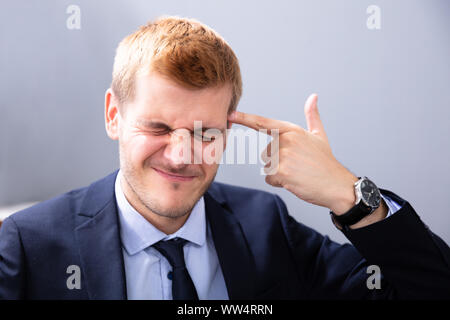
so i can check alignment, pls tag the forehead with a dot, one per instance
(158, 97)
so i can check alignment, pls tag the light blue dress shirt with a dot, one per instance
(146, 270)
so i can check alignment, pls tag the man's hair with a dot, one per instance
(186, 51)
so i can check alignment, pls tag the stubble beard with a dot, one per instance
(147, 200)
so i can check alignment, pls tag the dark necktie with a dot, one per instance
(182, 285)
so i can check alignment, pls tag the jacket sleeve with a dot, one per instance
(12, 275)
(412, 258)
(414, 262)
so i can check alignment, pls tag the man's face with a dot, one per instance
(150, 132)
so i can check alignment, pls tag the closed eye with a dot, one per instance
(204, 136)
(208, 138)
(159, 132)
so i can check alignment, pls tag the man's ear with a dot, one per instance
(111, 115)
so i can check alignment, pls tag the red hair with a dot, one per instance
(184, 50)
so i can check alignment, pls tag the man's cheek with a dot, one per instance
(143, 147)
(136, 157)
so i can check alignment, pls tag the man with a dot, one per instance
(160, 228)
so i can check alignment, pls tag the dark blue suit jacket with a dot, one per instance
(263, 252)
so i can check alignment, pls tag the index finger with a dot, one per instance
(258, 122)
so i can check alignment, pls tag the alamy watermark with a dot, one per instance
(74, 280)
(73, 22)
(374, 19)
(374, 280)
(230, 146)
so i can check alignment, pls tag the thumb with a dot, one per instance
(313, 121)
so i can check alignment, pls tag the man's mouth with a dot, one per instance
(174, 177)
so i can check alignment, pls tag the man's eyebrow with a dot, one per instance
(151, 124)
(207, 128)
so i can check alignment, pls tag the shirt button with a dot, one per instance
(170, 275)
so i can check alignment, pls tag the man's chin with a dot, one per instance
(172, 209)
(174, 192)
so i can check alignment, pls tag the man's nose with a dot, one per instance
(179, 148)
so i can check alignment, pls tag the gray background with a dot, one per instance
(383, 94)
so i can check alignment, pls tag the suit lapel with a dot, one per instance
(235, 257)
(99, 242)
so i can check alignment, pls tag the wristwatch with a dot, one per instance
(368, 199)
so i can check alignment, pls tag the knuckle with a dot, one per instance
(272, 180)
(281, 170)
(259, 123)
(291, 137)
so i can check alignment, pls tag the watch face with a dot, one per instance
(370, 194)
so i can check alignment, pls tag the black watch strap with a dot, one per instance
(355, 214)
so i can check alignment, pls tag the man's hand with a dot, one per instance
(306, 165)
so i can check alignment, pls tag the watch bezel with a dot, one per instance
(359, 194)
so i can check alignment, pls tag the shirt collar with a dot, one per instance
(138, 234)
